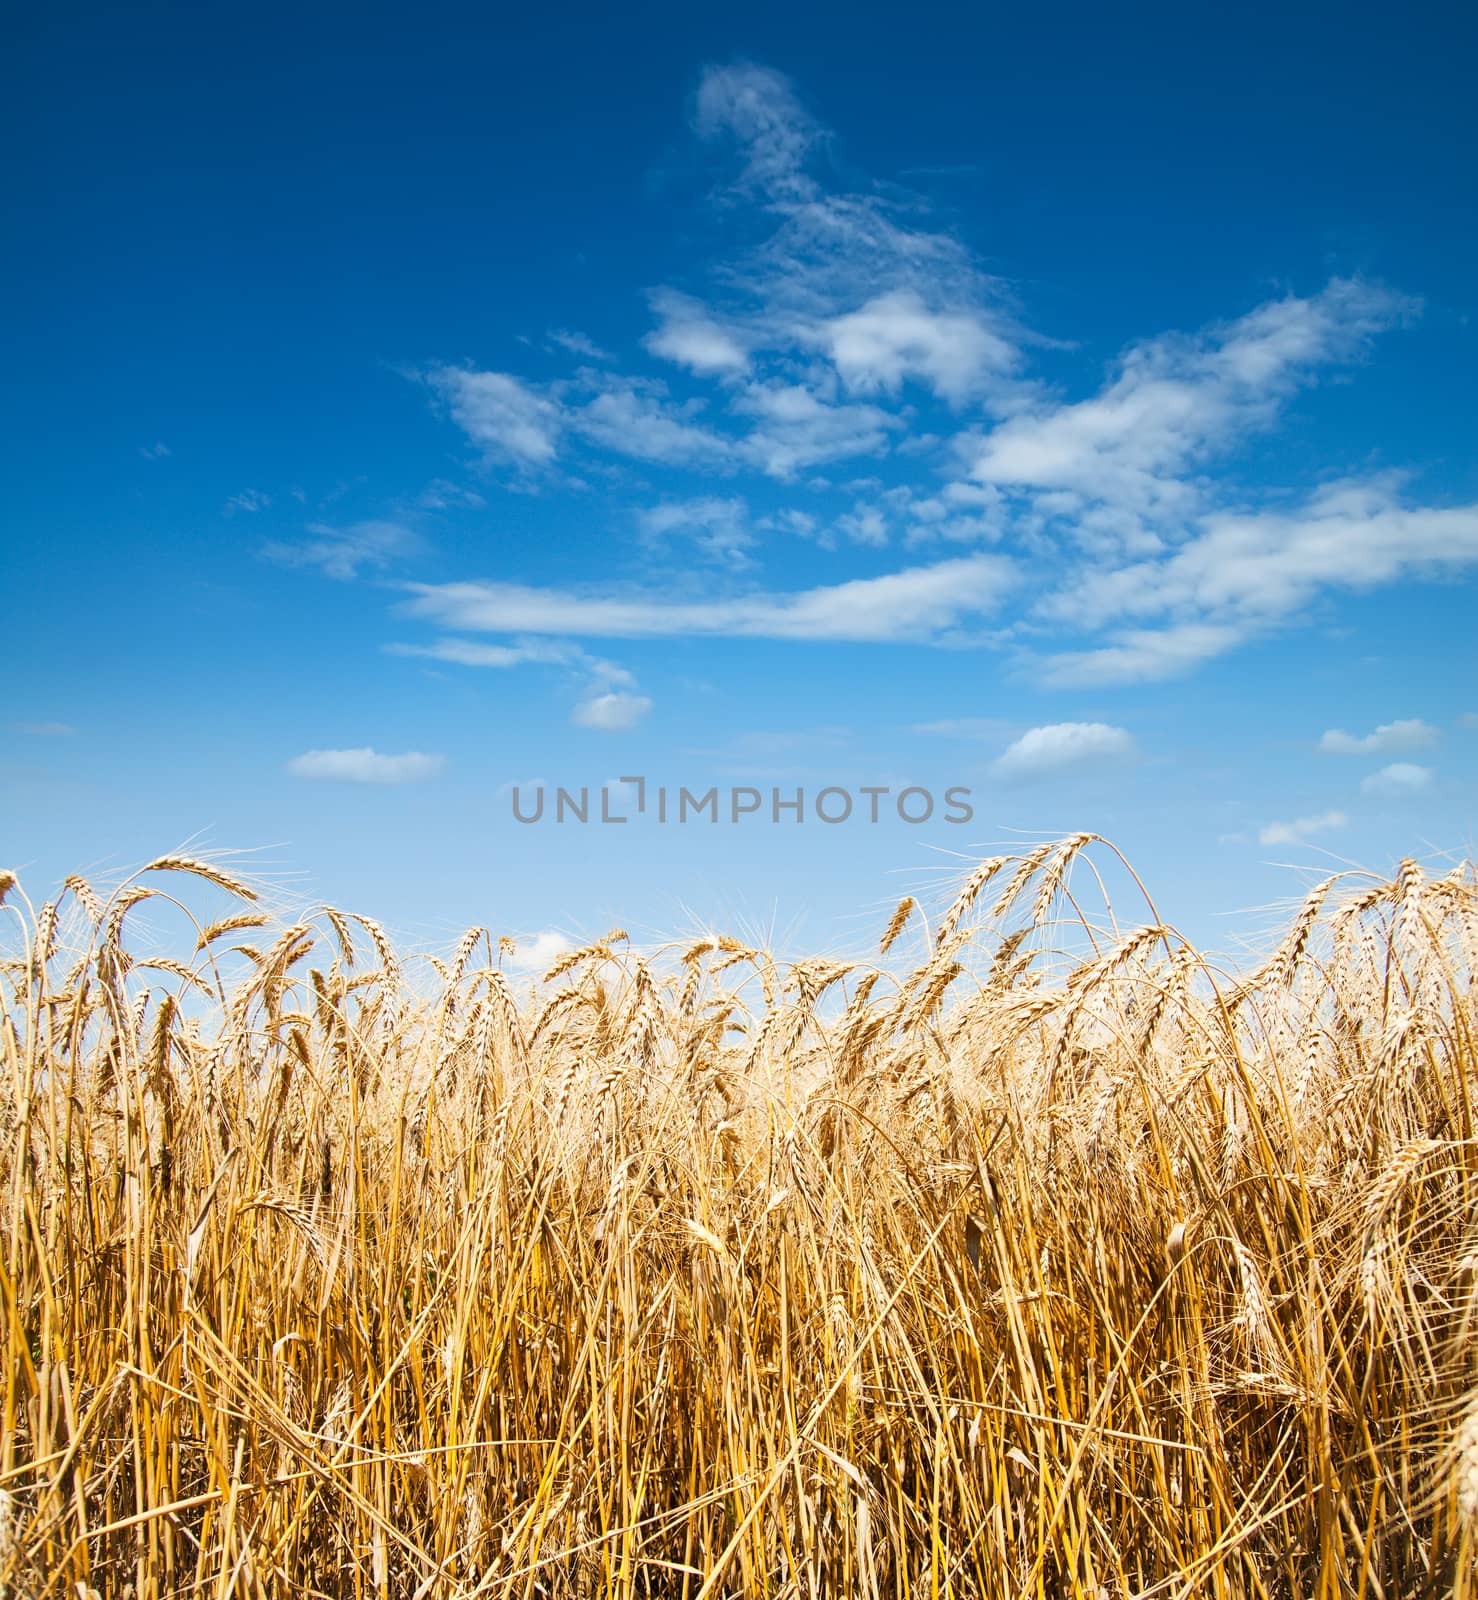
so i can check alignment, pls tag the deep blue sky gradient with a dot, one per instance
(248, 233)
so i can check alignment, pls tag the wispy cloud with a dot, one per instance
(1301, 828)
(1040, 752)
(1116, 464)
(441, 495)
(507, 418)
(1400, 778)
(962, 727)
(1389, 738)
(155, 452)
(1137, 655)
(717, 526)
(43, 730)
(526, 652)
(345, 553)
(640, 420)
(249, 501)
(796, 427)
(1245, 572)
(366, 765)
(918, 603)
(845, 324)
(756, 108)
(579, 344)
(499, 657)
(845, 300)
(611, 713)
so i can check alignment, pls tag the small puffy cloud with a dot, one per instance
(611, 713)
(44, 730)
(155, 452)
(1301, 828)
(1060, 745)
(690, 336)
(342, 552)
(1401, 777)
(1389, 738)
(365, 765)
(895, 337)
(537, 952)
(1468, 719)
(864, 524)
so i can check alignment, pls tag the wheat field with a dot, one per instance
(1034, 1256)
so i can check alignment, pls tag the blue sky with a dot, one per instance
(405, 404)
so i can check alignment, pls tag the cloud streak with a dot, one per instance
(915, 604)
(1301, 828)
(365, 765)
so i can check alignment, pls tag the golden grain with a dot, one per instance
(1060, 1265)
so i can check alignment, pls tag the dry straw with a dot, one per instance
(1060, 1265)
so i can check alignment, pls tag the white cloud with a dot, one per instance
(474, 653)
(1401, 777)
(797, 428)
(1245, 572)
(44, 730)
(845, 293)
(896, 336)
(441, 494)
(691, 337)
(155, 452)
(916, 603)
(365, 765)
(1138, 655)
(343, 552)
(579, 344)
(638, 420)
(537, 952)
(611, 713)
(962, 727)
(833, 331)
(1467, 719)
(1175, 399)
(719, 527)
(759, 111)
(249, 500)
(1301, 828)
(506, 417)
(1390, 738)
(864, 524)
(1060, 745)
